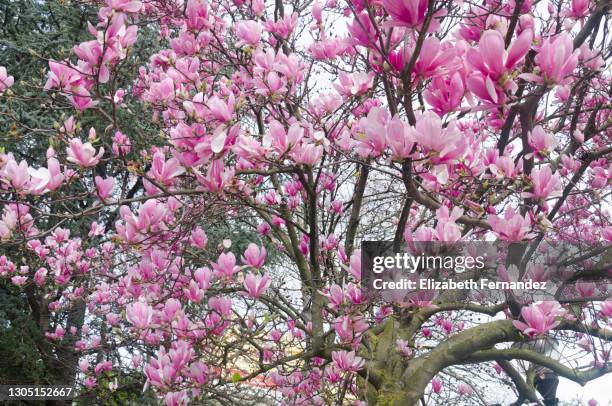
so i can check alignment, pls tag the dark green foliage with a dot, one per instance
(128, 391)
(21, 360)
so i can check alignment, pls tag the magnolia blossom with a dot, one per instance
(255, 285)
(104, 186)
(606, 308)
(556, 59)
(447, 229)
(545, 183)
(445, 93)
(465, 389)
(436, 385)
(493, 63)
(539, 319)
(249, 32)
(225, 265)
(578, 9)
(139, 314)
(6, 81)
(512, 227)
(254, 256)
(542, 141)
(410, 13)
(354, 84)
(347, 361)
(83, 155)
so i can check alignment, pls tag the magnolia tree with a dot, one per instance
(315, 125)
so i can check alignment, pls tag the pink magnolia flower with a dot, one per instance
(493, 63)
(162, 91)
(128, 6)
(337, 206)
(578, 9)
(492, 59)
(362, 31)
(330, 242)
(447, 143)
(539, 320)
(83, 155)
(56, 177)
(545, 183)
(121, 144)
(585, 289)
(61, 76)
(81, 99)
(171, 309)
(254, 256)
(255, 285)
(104, 186)
(217, 177)
(199, 371)
(512, 227)
(434, 59)
(198, 238)
(557, 59)
(307, 154)
(402, 348)
(40, 276)
(335, 297)
(542, 141)
(317, 12)
(92, 59)
(6, 81)
(347, 361)
(203, 276)
(436, 385)
(139, 314)
(465, 389)
(264, 229)
(258, 7)
(399, 138)
(84, 365)
(19, 280)
(219, 109)
(355, 265)
(354, 84)
(447, 229)
(411, 13)
(197, 14)
(447, 325)
(537, 273)
(249, 32)
(283, 140)
(328, 48)
(606, 308)
(16, 175)
(164, 171)
(283, 27)
(221, 305)
(444, 94)
(349, 328)
(38, 180)
(225, 265)
(90, 382)
(374, 141)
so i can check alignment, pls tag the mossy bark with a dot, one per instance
(401, 381)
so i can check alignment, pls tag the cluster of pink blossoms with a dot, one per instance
(247, 138)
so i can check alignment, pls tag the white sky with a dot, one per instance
(599, 389)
